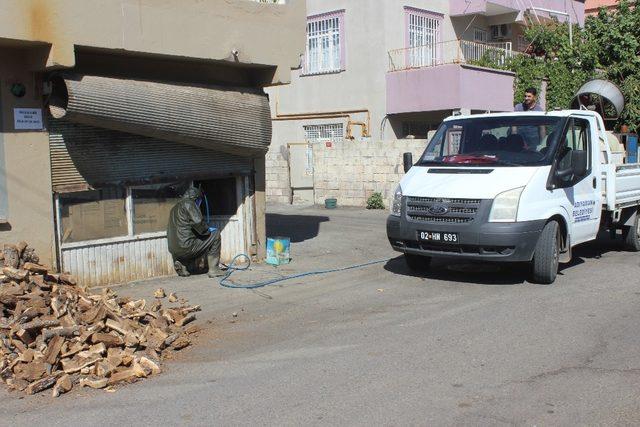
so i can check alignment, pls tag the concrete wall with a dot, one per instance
(261, 33)
(26, 159)
(353, 172)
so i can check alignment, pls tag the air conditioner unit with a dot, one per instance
(500, 31)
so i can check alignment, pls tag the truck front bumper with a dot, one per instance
(487, 241)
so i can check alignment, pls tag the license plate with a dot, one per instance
(437, 236)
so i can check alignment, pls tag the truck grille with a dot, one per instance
(440, 210)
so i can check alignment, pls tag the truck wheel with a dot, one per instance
(547, 254)
(417, 262)
(632, 236)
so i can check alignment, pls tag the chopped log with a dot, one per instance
(96, 383)
(67, 279)
(159, 293)
(173, 297)
(35, 268)
(181, 343)
(78, 363)
(17, 384)
(63, 385)
(15, 274)
(53, 350)
(60, 332)
(27, 355)
(40, 324)
(117, 326)
(108, 340)
(40, 385)
(185, 320)
(151, 363)
(136, 371)
(25, 336)
(21, 246)
(102, 368)
(11, 256)
(30, 371)
(192, 329)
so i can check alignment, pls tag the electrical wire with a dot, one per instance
(231, 268)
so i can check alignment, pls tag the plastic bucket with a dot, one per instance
(330, 203)
(278, 250)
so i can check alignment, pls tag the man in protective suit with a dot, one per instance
(189, 237)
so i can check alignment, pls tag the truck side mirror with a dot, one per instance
(407, 160)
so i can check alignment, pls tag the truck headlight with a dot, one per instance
(396, 206)
(505, 206)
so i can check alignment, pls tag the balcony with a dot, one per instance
(449, 52)
(535, 9)
(443, 76)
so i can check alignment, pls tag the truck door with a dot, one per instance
(581, 193)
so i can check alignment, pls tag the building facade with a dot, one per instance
(110, 109)
(592, 7)
(389, 70)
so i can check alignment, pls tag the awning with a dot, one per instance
(231, 120)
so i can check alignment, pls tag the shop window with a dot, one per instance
(92, 215)
(221, 197)
(151, 207)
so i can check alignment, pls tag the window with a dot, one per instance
(322, 133)
(221, 197)
(496, 141)
(423, 37)
(151, 207)
(132, 211)
(325, 43)
(92, 215)
(575, 139)
(480, 35)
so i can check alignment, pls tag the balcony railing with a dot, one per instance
(449, 52)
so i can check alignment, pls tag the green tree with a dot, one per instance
(607, 47)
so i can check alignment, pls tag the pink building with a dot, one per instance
(591, 7)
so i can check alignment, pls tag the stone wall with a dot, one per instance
(277, 175)
(352, 171)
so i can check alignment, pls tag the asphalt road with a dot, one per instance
(461, 345)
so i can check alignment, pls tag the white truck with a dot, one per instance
(514, 187)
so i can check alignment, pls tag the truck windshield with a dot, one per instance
(501, 141)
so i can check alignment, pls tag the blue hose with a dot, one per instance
(231, 268)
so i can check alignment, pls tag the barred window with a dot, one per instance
(324, 52)
(321, 133)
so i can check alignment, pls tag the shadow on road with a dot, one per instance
(500, 273)
(298, 228)
(465, 272)
(593, 250)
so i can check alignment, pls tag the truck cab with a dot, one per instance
(511, 187)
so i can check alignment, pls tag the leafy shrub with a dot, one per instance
(375, 201)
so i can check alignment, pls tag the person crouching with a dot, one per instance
(189, 237)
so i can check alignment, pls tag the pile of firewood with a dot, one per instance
(54, 334)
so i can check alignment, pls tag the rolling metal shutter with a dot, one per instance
(232, 120)
(85, 156)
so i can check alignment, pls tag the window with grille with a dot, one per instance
(480, 35)
(322, 133)
(423, 37)
(325, 39)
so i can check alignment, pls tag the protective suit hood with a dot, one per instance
(192, 193)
